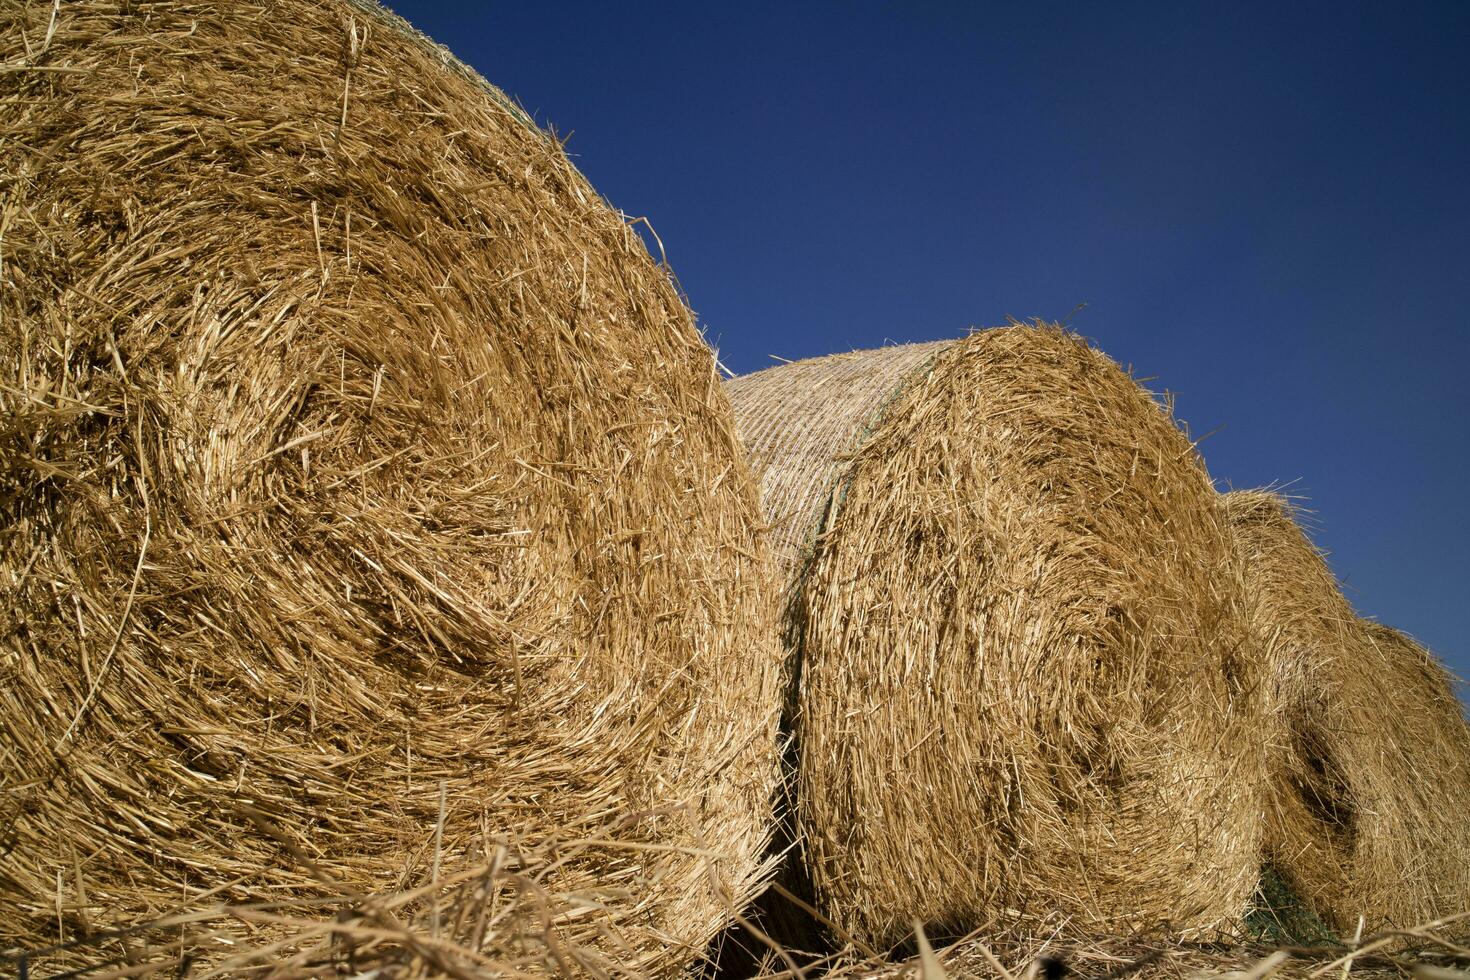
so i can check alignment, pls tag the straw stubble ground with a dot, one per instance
(371, 509)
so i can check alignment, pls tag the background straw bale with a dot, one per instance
(1023, 694)
(361, 478)
(1370, 752)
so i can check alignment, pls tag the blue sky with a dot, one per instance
(1264, 207)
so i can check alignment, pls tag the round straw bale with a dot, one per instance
(1021, 687)
(1370, 751)
(367, 495)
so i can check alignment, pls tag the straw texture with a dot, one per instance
(1431, 950)
(1023, 692)
(798, 466)
(369, 506)
(1370, 762)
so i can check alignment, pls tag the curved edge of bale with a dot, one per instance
(837, 398)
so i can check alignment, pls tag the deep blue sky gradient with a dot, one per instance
(1265, 207)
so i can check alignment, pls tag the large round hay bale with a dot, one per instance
(1370, 752)
(1021, 691)
(355, 452)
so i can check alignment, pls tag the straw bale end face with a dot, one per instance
(1369, 748)
(355, 455)
(1023, 687)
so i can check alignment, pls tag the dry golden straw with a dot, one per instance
(1370, 762)
(369, 506)
(1023, 695)
(1430, 951)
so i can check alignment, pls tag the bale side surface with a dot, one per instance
(1370, 752)
(834, 397)
(361, 478)
(1023, 693)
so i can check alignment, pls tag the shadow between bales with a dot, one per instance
(782, 928)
